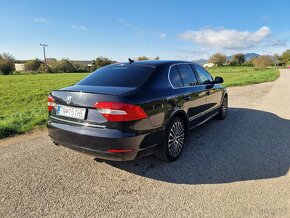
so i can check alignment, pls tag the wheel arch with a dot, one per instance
(179, 113)
(225, 93)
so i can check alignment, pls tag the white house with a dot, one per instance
(19, 67)
(208, 65)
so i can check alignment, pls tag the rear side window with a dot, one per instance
(204, 76)
(175, 78)
(187, 75)
(119, 75)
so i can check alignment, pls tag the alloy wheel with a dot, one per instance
(176, 139)
(224, 107)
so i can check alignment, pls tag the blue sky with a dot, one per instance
(181, 29)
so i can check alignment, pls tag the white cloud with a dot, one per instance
(226, 38)
(79, 27)
(279, 43)
(124, 22)
(162, 35)
(40, 20)
(193, 54)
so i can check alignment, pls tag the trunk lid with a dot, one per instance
(80, 96)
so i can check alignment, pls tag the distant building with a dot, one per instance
(50, 61)
(209, 65)
(19, 67)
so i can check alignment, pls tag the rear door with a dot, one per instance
(190, 96)
(213, 93)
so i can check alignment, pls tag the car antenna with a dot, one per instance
(130, 60)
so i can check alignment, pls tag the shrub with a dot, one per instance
(63, 66)
(102, 61)
(6, 64)
(248, 63)
(33, 65)
(44, 68)
(263, 61)
(143, 58)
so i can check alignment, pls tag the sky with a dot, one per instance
(180, 29)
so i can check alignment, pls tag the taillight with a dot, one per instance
(50, 103)
(118, 112)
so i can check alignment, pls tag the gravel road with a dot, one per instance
(238, 167)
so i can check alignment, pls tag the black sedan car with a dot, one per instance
(129, 110)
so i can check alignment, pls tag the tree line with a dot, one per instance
(260, 61)
(7, 65)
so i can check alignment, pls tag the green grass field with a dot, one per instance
(238, 76)
(23, 98)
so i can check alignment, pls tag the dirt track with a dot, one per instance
(238, 167)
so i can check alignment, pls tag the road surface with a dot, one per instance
(238, 167)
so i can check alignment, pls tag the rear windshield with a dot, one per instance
(120, 75)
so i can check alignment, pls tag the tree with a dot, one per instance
(6, 64)
(50, 61)
(239, 59)
(33, 65)
(285, 57)
(232, 63)
(102, 61)
(157, 58)
(249, 63)
(218, 59)
(263, 61)
(63, 66)
(143, 58)
(44, 68)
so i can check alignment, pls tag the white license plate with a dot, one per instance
(74, 112)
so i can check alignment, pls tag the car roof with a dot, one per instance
(158, 63)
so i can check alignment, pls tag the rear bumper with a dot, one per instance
(98, 142)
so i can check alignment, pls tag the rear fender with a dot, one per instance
(178, 112)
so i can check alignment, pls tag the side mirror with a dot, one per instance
(218, 80)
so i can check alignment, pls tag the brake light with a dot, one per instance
(50, 103)
(118, 112)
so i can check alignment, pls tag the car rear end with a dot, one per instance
(93, 116)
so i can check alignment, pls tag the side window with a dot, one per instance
(204, 76)
(175, 78)
(187, 75)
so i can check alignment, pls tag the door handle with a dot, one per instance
(186, 98)
(208, 92)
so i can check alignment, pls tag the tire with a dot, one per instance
(174, 140)
(223, 109)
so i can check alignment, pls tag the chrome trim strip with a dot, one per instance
(205, 120)
(81, 124)
(203, 113)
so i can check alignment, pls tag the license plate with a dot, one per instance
(74, 112)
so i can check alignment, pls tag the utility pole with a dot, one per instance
(43, 46)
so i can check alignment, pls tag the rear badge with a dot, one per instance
(68, 99)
